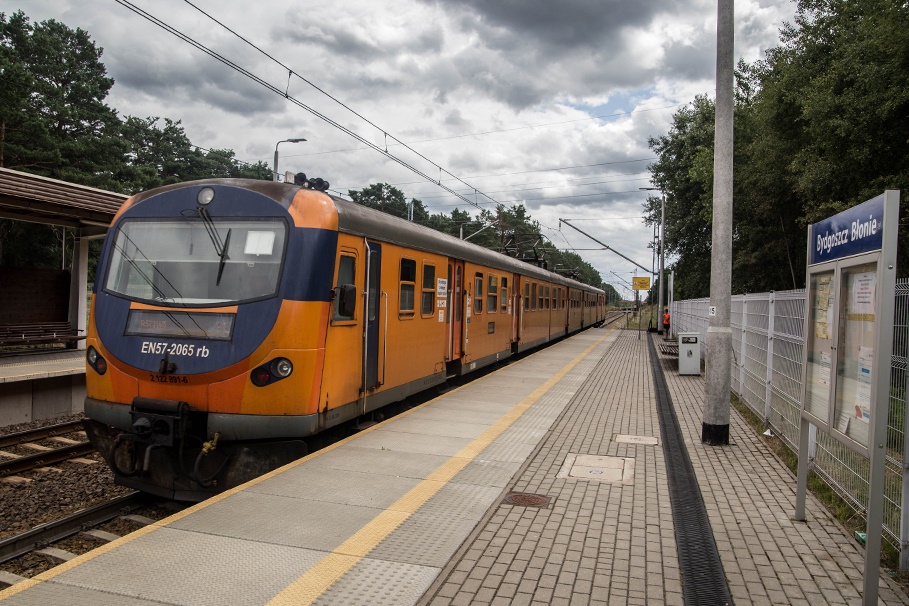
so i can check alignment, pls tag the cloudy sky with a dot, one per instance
(546, 104)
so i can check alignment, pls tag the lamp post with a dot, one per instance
(662, 245)
(275, 167)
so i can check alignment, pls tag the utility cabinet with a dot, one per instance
(689, 353)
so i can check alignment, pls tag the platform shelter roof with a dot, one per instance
(37, 199)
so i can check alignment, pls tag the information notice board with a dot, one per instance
(849, 306)
(842, 329)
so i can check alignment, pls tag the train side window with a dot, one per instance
(533, 296)
(540, 298)
(526, 296)
(408, 281)
(428, 299)
(347, 271)
(478, 294)
(492, 294)
(503, 293)
(546, 298)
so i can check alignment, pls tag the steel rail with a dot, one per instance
(32, 435)
(57, 530)
(41, 459)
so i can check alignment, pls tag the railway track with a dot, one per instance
(14, 464)
(50, 544)
(46, 534)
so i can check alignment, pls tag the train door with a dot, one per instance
(514, 303)
(373, 307)
(519, 286)
(455, 309)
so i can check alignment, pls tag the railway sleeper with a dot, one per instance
(55, 553)
(9, 578)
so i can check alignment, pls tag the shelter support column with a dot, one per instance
(78, 298)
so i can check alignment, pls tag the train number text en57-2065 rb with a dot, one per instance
(174, 349)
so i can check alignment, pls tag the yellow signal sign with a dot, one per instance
(640, 283)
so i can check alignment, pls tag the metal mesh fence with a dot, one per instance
(767, 341)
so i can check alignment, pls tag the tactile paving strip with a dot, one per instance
(281, 520)
(52, 593)
(484, 472)
(366, 489)
(163, 567)
(462, 500)
(429, 540)
(432, 427)
(385, 439)
(380, 583)
(405, 464)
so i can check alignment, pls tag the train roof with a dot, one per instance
(360, 220)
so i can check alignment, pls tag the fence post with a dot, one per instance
(769, 394)
(904, 510)
(743, 346)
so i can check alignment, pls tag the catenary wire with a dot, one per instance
(151, 18)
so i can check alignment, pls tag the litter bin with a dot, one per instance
(689, 353)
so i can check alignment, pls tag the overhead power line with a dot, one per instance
(494, 132)
(215, 55)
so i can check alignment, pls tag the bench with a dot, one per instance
(670, 348)
(38, 333)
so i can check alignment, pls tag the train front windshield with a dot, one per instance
(184, 262)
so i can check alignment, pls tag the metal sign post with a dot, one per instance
(639, 284)
(851, 284)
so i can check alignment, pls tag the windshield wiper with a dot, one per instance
(224, 258)
(220, 247)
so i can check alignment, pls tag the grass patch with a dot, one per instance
(842, 510)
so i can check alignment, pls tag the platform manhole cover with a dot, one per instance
(526, 499)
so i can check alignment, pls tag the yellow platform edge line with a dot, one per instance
(312, 584)
(66, 566)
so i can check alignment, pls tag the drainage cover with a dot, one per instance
(526, 499)
(611, 470)
(645, 440)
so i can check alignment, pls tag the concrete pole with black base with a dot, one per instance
(715, 425)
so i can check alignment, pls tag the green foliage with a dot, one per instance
(819, 127)
(684, 170)
(54, 122)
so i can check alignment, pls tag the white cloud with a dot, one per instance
(433, 70)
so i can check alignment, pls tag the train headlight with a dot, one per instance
(275, 370)
(96, 361)
(206, 195)
(281, 367)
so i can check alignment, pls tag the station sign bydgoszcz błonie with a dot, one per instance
(857, 230)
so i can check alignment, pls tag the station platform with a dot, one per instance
(42, 365)
(421, 509)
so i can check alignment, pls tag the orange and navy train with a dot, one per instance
(233, 319)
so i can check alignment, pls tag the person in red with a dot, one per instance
(666, 323)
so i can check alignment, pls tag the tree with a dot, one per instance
(832, 104)
(54, 121)
(684, 170)
(819, 127)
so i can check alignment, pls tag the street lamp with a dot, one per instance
(662, 246)
(275, 168)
